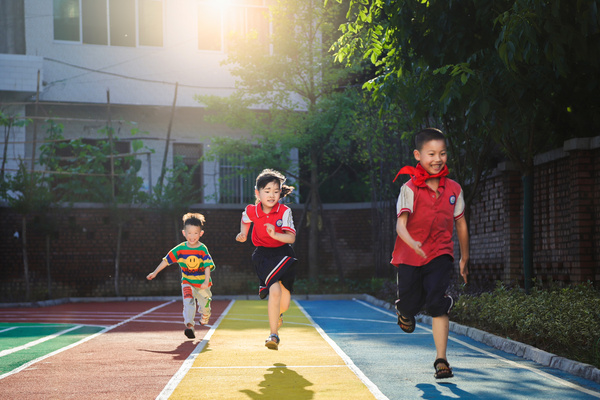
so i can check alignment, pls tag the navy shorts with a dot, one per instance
(274, 264)
(425, 286)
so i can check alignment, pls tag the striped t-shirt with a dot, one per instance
(193, 261)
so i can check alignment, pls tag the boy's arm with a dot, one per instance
(284, 237)
(405, 236)
(160, 267)
(243, 235)
(206, 283)
(462, 232)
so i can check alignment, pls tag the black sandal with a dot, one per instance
(407, 324)
(442, 369)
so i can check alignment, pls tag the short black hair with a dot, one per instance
(427, 135)
(194, 219)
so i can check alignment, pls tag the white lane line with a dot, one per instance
(359, 319)
(36, 342)
(274, 366)
(497, 357)
(363, 378)
(189, 362)
(28, 364)
(8, 329)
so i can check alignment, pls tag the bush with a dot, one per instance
(563, 321)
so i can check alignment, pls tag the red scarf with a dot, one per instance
(419, 175)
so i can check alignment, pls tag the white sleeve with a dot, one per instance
(406, 201)
(288, 221)
(245, 218)
(459, 207)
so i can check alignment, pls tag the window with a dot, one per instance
(66, 20)
(236, 181)
(209, 27)
(127, 23)
(190, 155)
(151, 22)
(216, 23)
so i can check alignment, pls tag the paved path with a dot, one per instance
(401, 365)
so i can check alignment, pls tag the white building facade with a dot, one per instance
(135, 63)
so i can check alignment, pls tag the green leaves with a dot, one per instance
(563, 321)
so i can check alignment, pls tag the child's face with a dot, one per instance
(192, 234)
(269, 195)
(433, 156)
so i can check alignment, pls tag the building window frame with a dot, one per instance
(100, 31)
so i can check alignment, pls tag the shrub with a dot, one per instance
(563, 321)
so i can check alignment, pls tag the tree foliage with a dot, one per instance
(302, 95)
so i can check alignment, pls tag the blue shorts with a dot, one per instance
(425, 286)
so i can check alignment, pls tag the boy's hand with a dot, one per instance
(270, 229)
(418, 250)
(204, 285)
(151, 276)
(464, 269)
(241, 237)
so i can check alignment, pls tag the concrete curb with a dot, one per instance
(519, 349)
(528, 352)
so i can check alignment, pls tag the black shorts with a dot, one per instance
(425, 286)
(274, 264)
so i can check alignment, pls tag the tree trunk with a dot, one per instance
(118, 258)
(313, 239)
(25, 259)
(48, 266)
(528, 230)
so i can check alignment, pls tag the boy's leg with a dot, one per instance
(410, 296)
(189, 305)
(189, 310)
(436, 282)
(204, 299)
(440, 327)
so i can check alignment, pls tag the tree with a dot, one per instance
(94, 171)
(9, 122)
(503, 63)
(176, 196)
(306, 106)
(28, 194)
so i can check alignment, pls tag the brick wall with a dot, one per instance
(82, 252)
(566, 219)
(82, 248)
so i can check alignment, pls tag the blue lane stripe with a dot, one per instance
(401, 364)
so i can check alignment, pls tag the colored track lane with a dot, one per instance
(401, 365)
(140, 348)
(236, 365)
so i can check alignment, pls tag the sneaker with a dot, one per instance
(189, 332)
(272, 342)
(280, 321)
(204, 319)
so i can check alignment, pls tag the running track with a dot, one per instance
(342, 349)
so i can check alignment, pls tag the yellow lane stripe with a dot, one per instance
(235, 364)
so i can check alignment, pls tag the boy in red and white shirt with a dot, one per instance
(428, 208)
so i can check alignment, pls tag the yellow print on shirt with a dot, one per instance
(192, 262)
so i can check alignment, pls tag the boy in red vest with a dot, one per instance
(428, 208)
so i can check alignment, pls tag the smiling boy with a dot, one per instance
(196, 264)
(428, 208)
